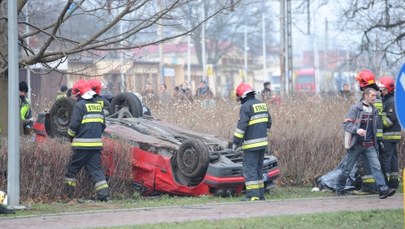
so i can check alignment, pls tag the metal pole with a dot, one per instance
(283, 74)
(203, 40)
(264, 43)
(13, 165)
(246, 56)
(28, 44)
(189, 54)
(122, 60)
(289, 49)
(160, 33)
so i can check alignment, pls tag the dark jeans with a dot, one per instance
(371, 157)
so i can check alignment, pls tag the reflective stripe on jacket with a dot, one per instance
(87, 125)
(391, 126)
(254, 122)
(25, 109)
(378, 104)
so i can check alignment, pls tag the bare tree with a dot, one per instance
(226, 31)
(380, 28)
(92, 27)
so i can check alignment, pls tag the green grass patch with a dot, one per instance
(391, 219)
(277, 193)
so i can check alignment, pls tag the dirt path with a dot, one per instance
(136, 216)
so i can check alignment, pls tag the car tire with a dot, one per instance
(57, 122)
(128, 101)
(193, 158)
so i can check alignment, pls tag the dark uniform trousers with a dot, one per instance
(253, 173)
(389, 160)
(91, 159)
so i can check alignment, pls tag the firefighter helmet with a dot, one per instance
(386, 82)
(366, 79)
(242, 90)
(96, 85)
(82, 88)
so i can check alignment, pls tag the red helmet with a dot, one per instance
(386, 82)
(365, 78)
(82, 88)
(242, 90)
(96, 85)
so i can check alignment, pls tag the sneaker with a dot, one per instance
(386, 193)
(253, 198)
(262, 198)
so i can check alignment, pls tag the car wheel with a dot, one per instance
(193, 158)
(126, 100)
(58, 120)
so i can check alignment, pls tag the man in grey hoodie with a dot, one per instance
(361, 123)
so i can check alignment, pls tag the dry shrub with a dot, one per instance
(43, 167)
(306, 135)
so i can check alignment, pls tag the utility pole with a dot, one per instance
(27, 40)
(264, 42)
(289, 49)
(286, 60)
(245, 56)
(160, 34)
(283, 59)
(122, 87)
(203, 40)
(13, 151)
(189, 50)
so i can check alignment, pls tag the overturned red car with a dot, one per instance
(165, 158)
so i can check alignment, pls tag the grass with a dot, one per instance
(277, 193)
(363, 219)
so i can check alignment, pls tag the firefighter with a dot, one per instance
(25, 108)
(366, 79)
(391, 131)
(96, 86)
(251, 135)
(85, 129)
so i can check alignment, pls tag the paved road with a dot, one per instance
(122, 217)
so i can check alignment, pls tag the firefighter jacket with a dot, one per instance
(105, 104)
(379, 105)
(254, 122)
(87, 125)
(391, 126)
(352, 123)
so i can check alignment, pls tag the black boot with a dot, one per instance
(393, 182)
(261, 194)
(69, 191)
(103, 195)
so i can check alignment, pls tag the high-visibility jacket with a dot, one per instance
(87, 125)
(379, 105)
(391, 126)
(25, 109)
(254, 122)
